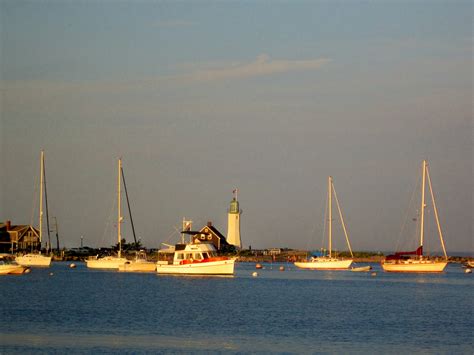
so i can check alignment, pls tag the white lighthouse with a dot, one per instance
(233, 225)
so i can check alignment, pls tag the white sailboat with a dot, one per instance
(414, 261)
(37, 259)
(329, 262)
(112, 262)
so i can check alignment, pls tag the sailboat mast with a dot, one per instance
(119, 217)
(330, 214)
(436, 214)
(422, 220)
(41, 199)
(46, 205)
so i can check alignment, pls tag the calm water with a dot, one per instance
(295, 311)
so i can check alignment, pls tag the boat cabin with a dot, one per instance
(186, 253)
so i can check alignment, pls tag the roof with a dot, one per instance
(214, 231)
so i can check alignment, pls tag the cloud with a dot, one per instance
(262, 66)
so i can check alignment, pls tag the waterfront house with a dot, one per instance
(211, 234)
(14, 238)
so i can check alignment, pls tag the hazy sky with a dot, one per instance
(271, 97)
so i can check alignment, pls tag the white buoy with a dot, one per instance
(72, 266)
(468, 271)
(282, 268)
(51, 274)
(27, 271)
(373, 274)
(255, 274)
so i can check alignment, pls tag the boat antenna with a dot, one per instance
(129, 209)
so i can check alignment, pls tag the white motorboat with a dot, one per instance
(323, 261)
(361, 268)
(415, 261)
(139, 264)
(193, 259)
(111, 262)
(38, 259)
(11, 267)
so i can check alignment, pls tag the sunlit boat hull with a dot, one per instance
(220, 267)
(12, 269)
(324, 264)
(413, 266)
(108, 262)
(361, 269)
(35, 260)
(133, 266)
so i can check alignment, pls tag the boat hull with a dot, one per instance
(131, 266)
(361, 269)
(416, 266)
(324, 264)
(12, 269)
(108, 262)
(220, 267)
(35, 260)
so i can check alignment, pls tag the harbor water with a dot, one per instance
(64, 310)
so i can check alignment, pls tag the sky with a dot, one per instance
(269, 97)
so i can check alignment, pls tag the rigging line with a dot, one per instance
(342, 220)
(46, 205)
(404, 223)
(311, 241)
(436, 215)
(325, 220)
(129, 209)
(34, 199)
(109, 219)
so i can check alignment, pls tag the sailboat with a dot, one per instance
(328, 261)
(112, 262)
(415, 261)
(140, 263)
(37, 259)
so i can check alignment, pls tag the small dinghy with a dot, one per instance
(361, 268)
